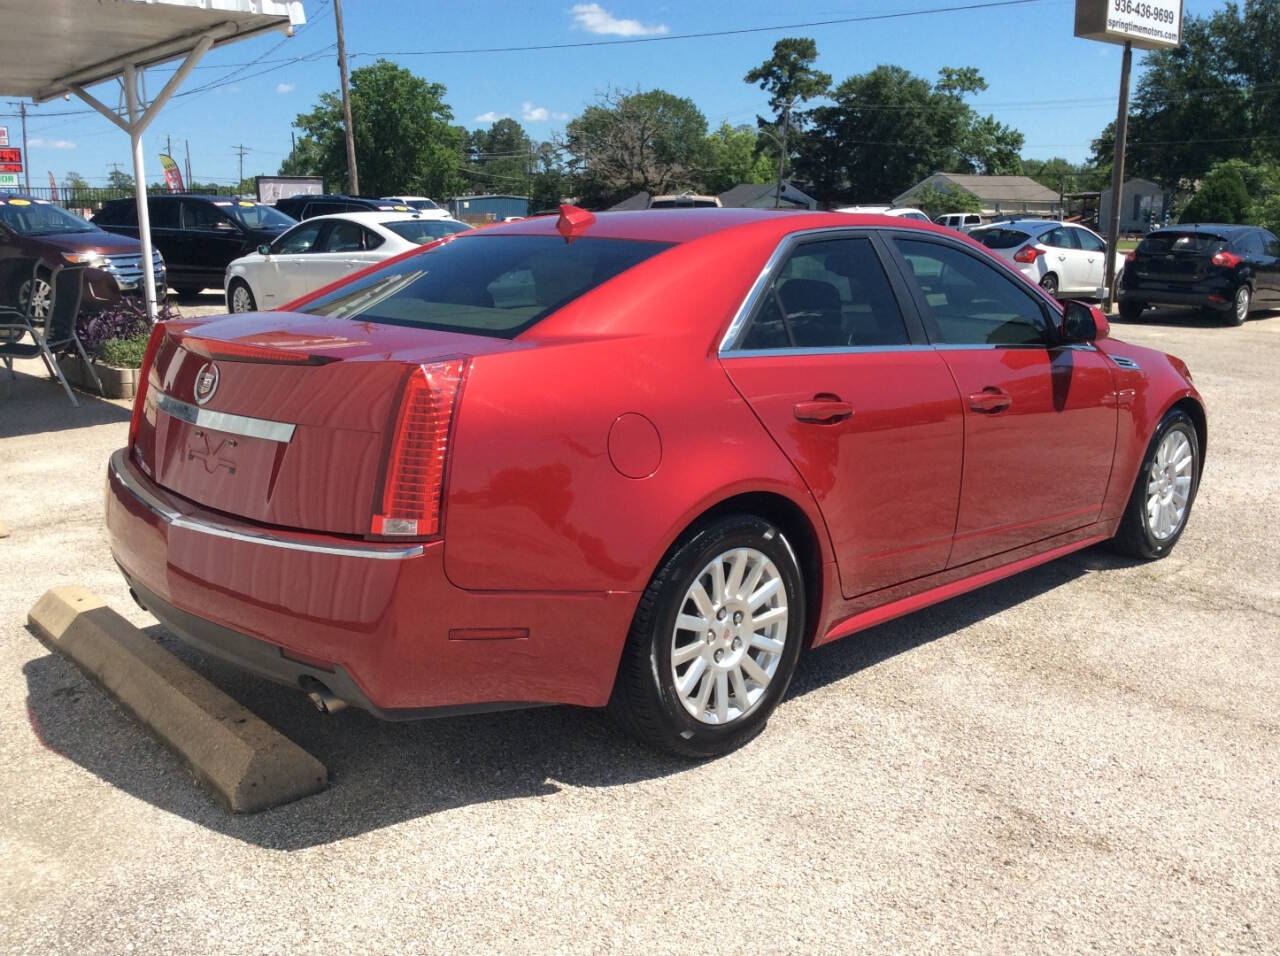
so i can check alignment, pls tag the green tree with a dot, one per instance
(1236, 191)
(935, 201)
(500, 159)
(119, 179)
(1062, 174)
(550, 182)
(888, 129)
(789, 78)
(1213, 99)
(732, 158)
(630, 141)
(403, 135)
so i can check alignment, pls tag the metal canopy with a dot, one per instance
(59, 47)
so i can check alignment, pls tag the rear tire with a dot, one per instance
(1155, 517)
(706, 689)
(1050, 284)
(240, 297)
(1132, 311)
(1241, 305)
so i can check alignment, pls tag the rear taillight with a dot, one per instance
(1027, 254)
(415, 469)
(1227, 260)
(144, 376)
(1132, 256)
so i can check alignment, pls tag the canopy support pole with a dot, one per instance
(139, 118)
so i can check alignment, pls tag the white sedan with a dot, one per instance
(1064, 259)
(318, 251)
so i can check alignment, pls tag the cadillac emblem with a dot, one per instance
(206, 383)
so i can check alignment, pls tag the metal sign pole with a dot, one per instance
(1117, 175)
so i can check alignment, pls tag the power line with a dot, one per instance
(741, 31)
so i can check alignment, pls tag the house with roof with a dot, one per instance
(999, 195)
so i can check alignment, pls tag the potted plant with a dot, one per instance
(116, 339)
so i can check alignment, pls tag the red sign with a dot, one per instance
(10, 159)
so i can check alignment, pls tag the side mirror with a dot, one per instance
(264, 249)
(1083, 323)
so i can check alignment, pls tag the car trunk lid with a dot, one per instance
(1176, 256)
(284, 420)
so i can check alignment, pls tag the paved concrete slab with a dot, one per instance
(245, 761)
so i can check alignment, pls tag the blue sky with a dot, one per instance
(1060, 91)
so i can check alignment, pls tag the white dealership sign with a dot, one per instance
(1147, 24)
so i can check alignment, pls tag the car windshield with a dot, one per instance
(1196, 243)
(484, 285)
(36, 217)
(999, 238)
(423, 231)
(257, 216)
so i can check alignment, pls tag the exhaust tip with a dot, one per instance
(325, 700)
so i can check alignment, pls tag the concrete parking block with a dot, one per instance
(248, 764)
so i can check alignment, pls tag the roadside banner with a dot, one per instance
(53, 187)
(172, 174)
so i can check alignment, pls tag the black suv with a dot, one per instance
(197, 235)
(304, 206)
(1226, 270)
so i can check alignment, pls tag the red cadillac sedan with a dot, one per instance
(639, 460)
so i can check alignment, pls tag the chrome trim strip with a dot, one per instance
(225, 421)
(827, 350)
(187, 523)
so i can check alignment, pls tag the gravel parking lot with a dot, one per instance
(1083, 757)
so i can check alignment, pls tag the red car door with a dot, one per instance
(1040, 418)
(863, 407)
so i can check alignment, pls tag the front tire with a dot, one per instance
(714, 641)
(240, 297)
(1164, 492)
(1131, 311)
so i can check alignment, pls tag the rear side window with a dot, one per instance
(118, 214)
(997, 238)
(972, 220)
(164, 214)
(1088, 241)
(1058, 238)
(831, 294)
(1196, 243)
(484, 285)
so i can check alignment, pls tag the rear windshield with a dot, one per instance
(1000, 238)
(484, 285)
(425, 230)
(1199, 243)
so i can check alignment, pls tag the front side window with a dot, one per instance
(299, 239)
(829, 294)
(1273, 245)
(205, 217)
(484, 285)
(971, 302)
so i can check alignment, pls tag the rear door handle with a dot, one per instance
(990, 400)
(823, 410)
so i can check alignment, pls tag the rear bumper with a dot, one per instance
(380, 625)
(1196, 296)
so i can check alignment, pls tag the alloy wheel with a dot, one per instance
(729, 636)
(1169, 485)
(40, 302)
(241, 299)
(1242, 304)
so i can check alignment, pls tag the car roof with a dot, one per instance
(686, 225)
(378, 215)
(1216, 228)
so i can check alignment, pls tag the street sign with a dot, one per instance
(8, 180)
(1147, 24)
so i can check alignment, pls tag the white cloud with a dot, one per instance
(38, 142)
(286, 87)
(492, 117)
(539, 114)
(596, 19)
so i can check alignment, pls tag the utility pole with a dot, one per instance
(1117, 173)
(353, 178)
(782, 153)
(240, 151)
(168, 145)
(188, 142)
(26, 157)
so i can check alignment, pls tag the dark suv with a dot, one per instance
(197, 235)
(32, 229)
(304, 207)
(1226, 270)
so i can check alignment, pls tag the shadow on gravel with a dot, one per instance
(1189, 319)
(385, 773)
(35, 404)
